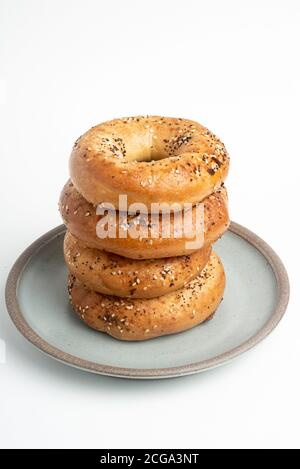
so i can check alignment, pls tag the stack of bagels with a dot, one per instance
(140, 287)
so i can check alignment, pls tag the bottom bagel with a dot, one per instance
(141, 318)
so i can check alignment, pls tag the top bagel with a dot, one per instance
(150, 159)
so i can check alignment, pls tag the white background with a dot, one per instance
(231, 65)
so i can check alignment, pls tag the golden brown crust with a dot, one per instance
(115, 275)
(146, 158)
(81, 219)
(141, 319)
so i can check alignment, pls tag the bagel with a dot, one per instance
(146, 158)
(81, 220)
(115, 275)
(140, 319)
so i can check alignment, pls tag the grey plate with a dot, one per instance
(255, 300)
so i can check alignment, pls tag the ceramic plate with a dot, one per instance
(255, 300)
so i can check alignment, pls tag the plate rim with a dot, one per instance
(14, 310)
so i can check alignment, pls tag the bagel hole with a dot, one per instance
(145, 154)
(148, 146)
